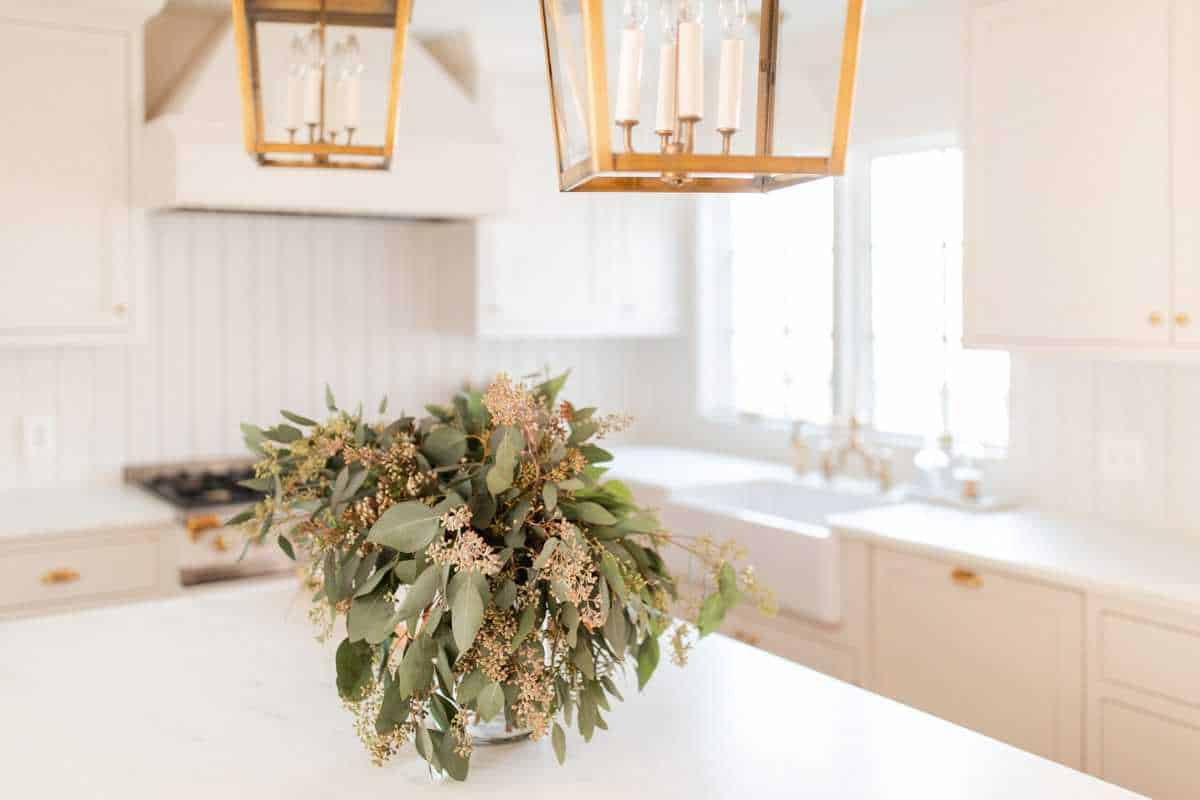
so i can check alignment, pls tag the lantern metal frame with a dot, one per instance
(688, 172)
(320, 13)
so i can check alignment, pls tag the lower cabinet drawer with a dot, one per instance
(1150, 656)
(1147, 752)
(78, 571)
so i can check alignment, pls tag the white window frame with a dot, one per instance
(853, 363)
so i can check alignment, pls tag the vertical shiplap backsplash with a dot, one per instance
(1063, 408)
(252, 313)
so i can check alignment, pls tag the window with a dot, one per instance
(781, 286)
(898, 342)
(923, 382)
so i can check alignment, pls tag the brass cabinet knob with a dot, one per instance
(1155, 318)
(58, 577)
(120, 308)
(967, 579)
(1183, 319)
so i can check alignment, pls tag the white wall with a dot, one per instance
(1063, 409)
(253, 313)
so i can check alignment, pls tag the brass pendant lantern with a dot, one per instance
(308, 58)
(586, 116)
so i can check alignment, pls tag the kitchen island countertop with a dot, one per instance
(224, 693)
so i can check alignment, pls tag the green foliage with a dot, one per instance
(480, 542)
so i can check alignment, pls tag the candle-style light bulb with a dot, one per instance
(350, 94)
(691, 60)
(629, 75)
(297, 64)
(314, 61)
(733, 55)
(665, 116)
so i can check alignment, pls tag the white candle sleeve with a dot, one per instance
(729, 96)
(629, 77)
(312, 97)
(295, 102)
(691, 70)
(351, 102)
(664, 119)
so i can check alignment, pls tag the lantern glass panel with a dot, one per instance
(806, 87)
(353, 88)
(568, 69)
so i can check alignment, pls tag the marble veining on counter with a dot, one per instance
(1090, 555)
(79, 509)
(224, 693)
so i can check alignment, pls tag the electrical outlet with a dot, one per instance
(41, 437)
(1122, 457)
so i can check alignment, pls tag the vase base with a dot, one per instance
(496, 732)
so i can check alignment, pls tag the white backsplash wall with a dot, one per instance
(1065, 410)
(252, 313)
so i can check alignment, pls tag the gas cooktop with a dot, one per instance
(198, 485)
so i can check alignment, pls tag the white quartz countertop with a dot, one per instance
(672, 468)
(224, 693)
(79, 509)
(1154, 565)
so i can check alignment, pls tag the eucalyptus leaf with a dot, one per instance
(420, 594)
(444, 446)
(454, 764)
(470, 687)
(558, 738)
(500, 476)
(393, 711)
(506, 594)
(370, 619)
(550, 497)
(407, 527)
(286, 547)
(712, 614)
(330, 403)
(727, 583)
(525, 625)
(647, 660)
(353, 662)
(466, 615)
(491, 701)
(612, 574)
(547, 551)
(416, 667)
(589, 512)
(615, 631)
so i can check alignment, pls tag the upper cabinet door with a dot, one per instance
(67, 231)
(1069, 174)
(1185, 114)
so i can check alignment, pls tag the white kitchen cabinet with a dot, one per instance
(70, 241)
(997, 654)
(565, 265)
(1144, 698)
(1070, 174)
(54, 573)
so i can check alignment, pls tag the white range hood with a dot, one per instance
(448, 160)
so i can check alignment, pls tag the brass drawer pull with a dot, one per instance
(58, 577)
(197, 525)
(967, 579)
(1183, 319)
(1155, 318)
(749, 638)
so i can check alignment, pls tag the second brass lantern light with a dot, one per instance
(315, 71)
(587, 117)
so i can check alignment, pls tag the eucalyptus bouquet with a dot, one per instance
(485, 568)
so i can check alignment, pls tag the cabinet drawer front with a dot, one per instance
(1150, 657)
(45, 577)
(1147, 753)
